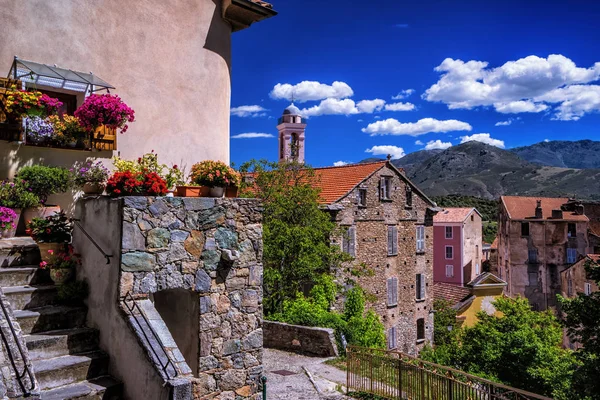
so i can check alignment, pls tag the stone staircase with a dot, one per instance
(66, 359)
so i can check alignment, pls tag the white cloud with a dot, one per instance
(311, 90)
(546, 140)
(249, 111)
(359, 120)
(507, 122)
(521, 106)
(377, 117)
(400, 107)
(395, 151)
(483, 138)
(437, 144)
(343, 107)
(403, 94)
(518, 86)
(370, 106)
(419, 143)
(252, 135)
(392, 126)
(340, 163)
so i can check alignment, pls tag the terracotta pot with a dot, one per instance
(93, 188)
(217, 191)
(55, 247)
(9, 233)
(39, 212)
(231, 191)
(60, 276)
(193, 191)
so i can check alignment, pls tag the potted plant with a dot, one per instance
(130, 183)
(90, 176)
(38, 131)
(216, 175)
(17, 196)
(8, 222)
(61, 265)
(68, 131)
(51, 233)
(104, 110)
(147, 168)
(44, 181)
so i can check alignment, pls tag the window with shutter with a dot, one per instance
(392, 292)
(448, 232)
(362, 197)
(533, 256)
(392, 237)
(571, 256)
(349, 241)
(449, 252)
(420, 287)
(420, 238)
(392, 338)
(569, 287)
(449, 271)
(421, 329)
(587, 288)
(409, 196)
(385, 188)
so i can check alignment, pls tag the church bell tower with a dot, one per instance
(291, 127)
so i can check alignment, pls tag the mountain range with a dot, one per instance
(549, 169)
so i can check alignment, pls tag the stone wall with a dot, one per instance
(312, 341)
(213, 248)
(371, 224)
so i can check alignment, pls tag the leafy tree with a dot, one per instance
(487, 208)
(582, 319)
(445, 334)
(296, 232)
(521, 348)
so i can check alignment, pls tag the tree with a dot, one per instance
(445, 334)
(582, 319)
(520, 348)
(296, 232)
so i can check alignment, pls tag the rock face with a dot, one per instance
(211, 248)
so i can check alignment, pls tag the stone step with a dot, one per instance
(27, 297)
(19, 251)
(61, 343)
(22, 276)
(66, 370)
(50, 318)
(105, 388)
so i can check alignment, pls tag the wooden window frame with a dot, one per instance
(451, 252)
(451, 232)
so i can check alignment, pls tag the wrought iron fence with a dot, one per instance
(393, 375)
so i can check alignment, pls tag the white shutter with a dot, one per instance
(420, 238)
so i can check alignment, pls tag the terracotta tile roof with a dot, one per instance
(524, 208)
(594, 257)
(495, 243)
(262, 3)
(336, 182)
(453, 215)
(449, 292)
(595, 227)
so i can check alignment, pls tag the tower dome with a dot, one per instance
(291, 110)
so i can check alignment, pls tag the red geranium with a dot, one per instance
(154, 185)
(130, 183)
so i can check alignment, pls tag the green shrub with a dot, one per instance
(44, 180)
(17, 195)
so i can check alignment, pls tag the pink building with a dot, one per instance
(457, 241)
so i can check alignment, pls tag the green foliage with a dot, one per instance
(44, 180)
(56, 228)
(521, 348)
(72, 293)
(490, 231)
(487, 208)
(582, 314)
(296, 232)
(17, 195)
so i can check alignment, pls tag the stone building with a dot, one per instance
(538, 238)
(169, 61)
(575, 281)
(388, 225)
(457, 245)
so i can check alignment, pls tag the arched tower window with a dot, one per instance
(294, 146)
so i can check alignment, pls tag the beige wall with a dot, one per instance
(169, 60)
(472, 242)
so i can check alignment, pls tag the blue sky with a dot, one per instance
(509, 73)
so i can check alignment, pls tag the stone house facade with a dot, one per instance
(538, 238)
(457, 239)
(388, 225)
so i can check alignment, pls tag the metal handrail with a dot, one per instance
(129, 297)
(26, 370)
(107, 256)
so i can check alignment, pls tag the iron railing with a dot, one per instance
(107, 256)
(394, 375)
(135, 311)
(26, 371)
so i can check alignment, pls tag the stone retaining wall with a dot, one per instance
(307, 340)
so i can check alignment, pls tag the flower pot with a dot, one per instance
(231, 191)
(217, 191)
(60, 275)
(93, 188)
(9, 233)
(193, 191)
(170, 193)
(53, 247)
(39, 212)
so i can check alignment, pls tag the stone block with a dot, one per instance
(211, 259)
(194, 244)
(132, 237)
(226, 238)
(176, 252)
(158, 208)
(205, 304)
(179, 236)
(232, 380)
(232, 346)
(138, 261)
(158, 238)
(203, 281)
(137, 202)
(126, 284)
(198, 203)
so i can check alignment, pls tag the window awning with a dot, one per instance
(51, 75)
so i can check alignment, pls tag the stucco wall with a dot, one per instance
(102, 219)
(472, 242)
(313, 341)
(439, 253)
(170, 61)
(371, 249)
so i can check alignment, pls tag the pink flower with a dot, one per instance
(50, 251)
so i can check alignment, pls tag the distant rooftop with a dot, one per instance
(453, 215)
(521, 208)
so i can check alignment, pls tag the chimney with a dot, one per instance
(557, 214)
(538, 210)
(579, 209)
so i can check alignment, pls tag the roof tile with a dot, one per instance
(452, 215)
(520, 208)
(336, 182)
(449, 292)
